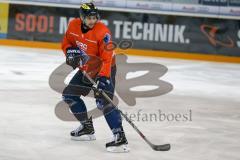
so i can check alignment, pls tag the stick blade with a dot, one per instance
(164, 147)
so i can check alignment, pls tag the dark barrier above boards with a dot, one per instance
(214, 2)
(146, 31)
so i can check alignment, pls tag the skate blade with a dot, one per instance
(118, 149)
(89, 137)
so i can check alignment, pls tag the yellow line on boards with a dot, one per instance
(138, 52)
(30, 44)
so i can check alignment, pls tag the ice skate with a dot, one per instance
(119, 144)
(85, 132)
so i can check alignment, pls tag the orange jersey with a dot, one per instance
(93, 43)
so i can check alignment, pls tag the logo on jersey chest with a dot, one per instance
(81, 45)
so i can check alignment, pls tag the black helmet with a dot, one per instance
(88, 9)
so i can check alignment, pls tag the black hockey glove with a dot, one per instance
(76, 57)
(103, 84)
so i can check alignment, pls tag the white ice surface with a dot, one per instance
(30, 130)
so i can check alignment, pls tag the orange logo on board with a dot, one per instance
(211, 31)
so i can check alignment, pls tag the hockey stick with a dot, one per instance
(163, 147)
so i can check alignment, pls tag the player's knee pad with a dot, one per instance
(102, 104)
(112, 116)
(108, 108)
(71, 100)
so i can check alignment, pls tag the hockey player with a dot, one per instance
(87, 37)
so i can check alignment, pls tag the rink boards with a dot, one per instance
(133, 33)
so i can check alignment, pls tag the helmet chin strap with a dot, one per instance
(84, 23)
(84, 27)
